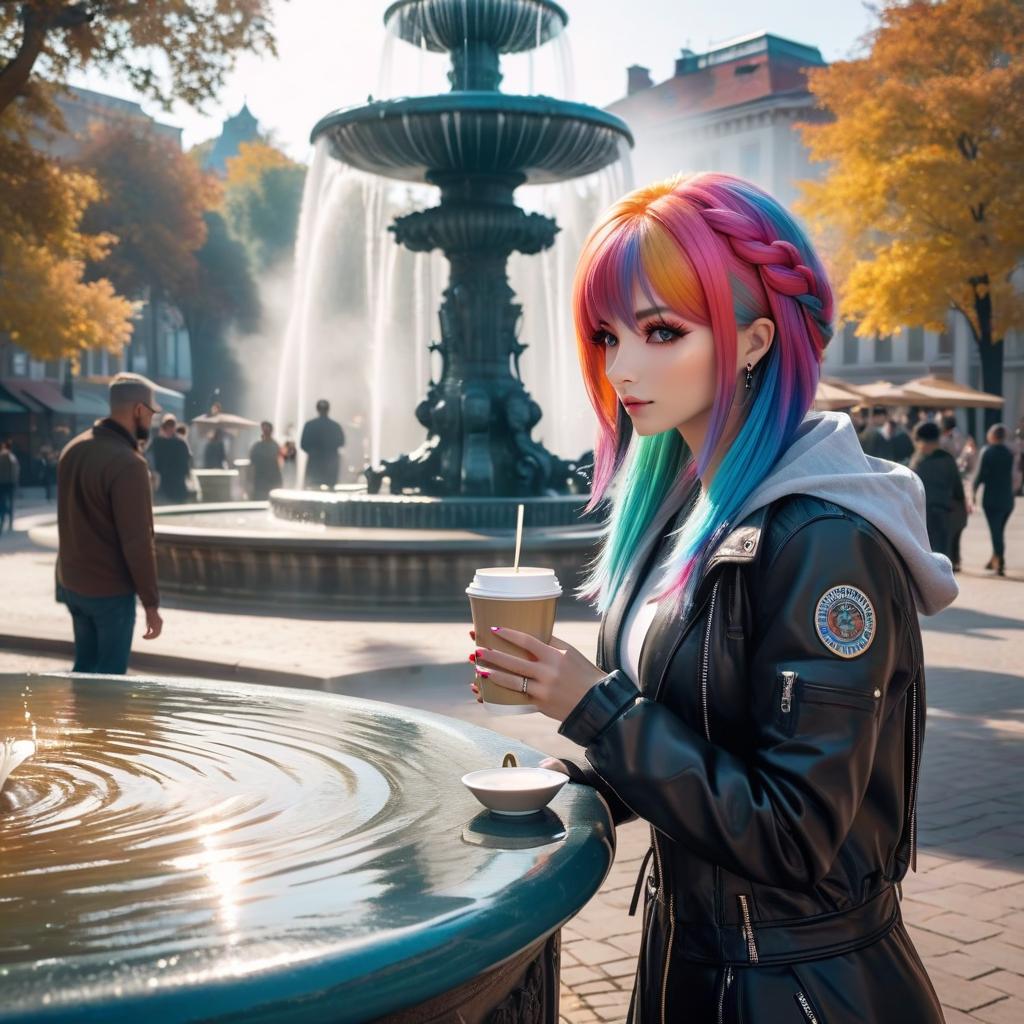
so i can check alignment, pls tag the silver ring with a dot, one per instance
(525, 682)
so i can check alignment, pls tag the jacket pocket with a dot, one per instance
(842, 696)
(792, 691)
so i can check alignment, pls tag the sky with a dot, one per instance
(330, 56)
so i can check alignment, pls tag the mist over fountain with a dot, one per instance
(411, 204)
(477, 146)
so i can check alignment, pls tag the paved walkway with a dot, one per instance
(965, 906)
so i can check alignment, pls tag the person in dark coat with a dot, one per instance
(901, 447)
(873, 437)
(265, 463)
(943, 488)
(215, 455)
(321, 440)
(995, 475)
(172, 461)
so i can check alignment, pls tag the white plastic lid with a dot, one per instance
(504, 583)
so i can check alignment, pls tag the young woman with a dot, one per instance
(758, 696)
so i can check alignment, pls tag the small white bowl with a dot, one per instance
(514, 791)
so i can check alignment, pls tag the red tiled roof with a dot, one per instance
(717, 87)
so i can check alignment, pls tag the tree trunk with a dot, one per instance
(16, 72)
(990, 352)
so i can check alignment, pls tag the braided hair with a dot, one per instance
(722, 253)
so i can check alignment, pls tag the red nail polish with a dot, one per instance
(472, 657)
(483, 672)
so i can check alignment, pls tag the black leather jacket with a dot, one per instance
(778, 773)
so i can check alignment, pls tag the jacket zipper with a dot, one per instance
(662, 886)
(748, 929)
(913, 776)
(788, 681)
(716, 876)
(806, 1007)
(704, 669)
(726, 982)
(638, 1002)
(671, 923)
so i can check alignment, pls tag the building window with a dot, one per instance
(19, 363)
(750, 159)
(915, 345)
(883, 348)
(946, 343)
(850, 343)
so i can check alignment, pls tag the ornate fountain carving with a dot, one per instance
(477, 145)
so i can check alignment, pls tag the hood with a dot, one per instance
(826, 460)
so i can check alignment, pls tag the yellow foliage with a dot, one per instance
(924, 189)
(253, 161)
(46, 305)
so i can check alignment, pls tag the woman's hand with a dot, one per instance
(557, 674)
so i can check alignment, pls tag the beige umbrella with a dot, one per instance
(881, 393)
(224, 419)
(940, 393)
(835, 394)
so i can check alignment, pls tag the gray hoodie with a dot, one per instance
(826, 460)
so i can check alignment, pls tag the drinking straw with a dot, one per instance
(519, 534)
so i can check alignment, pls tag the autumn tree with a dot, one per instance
(921, 207)
(153, 200)
(46, 303)
(196, 40)
(262, 196)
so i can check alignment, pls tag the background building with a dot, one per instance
(735, 109)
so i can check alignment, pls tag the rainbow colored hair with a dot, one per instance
(721, 253)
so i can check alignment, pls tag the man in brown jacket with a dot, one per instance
(105, 524)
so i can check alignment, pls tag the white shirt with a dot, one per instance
(637, 623)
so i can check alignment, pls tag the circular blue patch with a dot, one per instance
(845, 621)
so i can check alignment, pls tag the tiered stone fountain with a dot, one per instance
(451, 505)
(477, 145)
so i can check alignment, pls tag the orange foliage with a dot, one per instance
(922, 204)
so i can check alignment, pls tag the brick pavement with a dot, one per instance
(964, 907)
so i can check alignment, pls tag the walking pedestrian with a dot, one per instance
(106, 554)
(874, 438)
(172, 461)
(943, 487)
(215, 454)
(954, 442)
(321, 440)
(995, 475)
(757, 697)
(9, 470)
(901, 447)
(265, 463)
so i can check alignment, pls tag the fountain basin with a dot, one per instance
(510, 26)
(238, 553)
(180, 850)
(423, 138)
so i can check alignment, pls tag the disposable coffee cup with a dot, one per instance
(523, 600)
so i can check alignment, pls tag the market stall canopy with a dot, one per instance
(224, 419)
(835, 394)
(881, 393)
(36, 394)
(940, 393)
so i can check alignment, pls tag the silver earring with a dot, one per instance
(750, 376)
